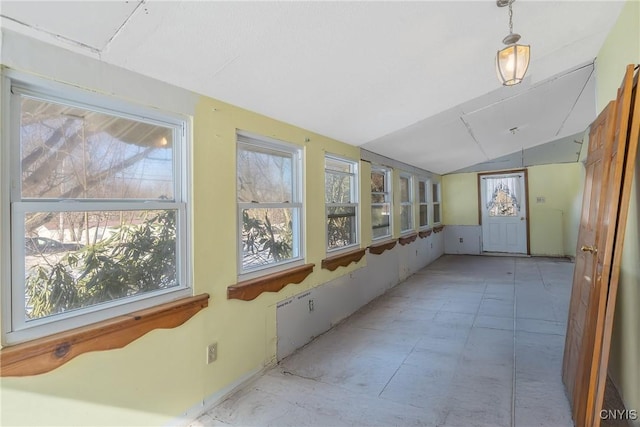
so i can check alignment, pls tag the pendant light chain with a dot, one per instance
(510, 17)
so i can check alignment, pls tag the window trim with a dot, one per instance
(297, 191)
(388, 172)
(15, 85)
(437, 204)
(355, 197)
(409, 203)
(427, 184)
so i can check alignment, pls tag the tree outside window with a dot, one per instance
(341, 198)
(269, 202)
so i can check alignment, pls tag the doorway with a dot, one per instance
(503, 212)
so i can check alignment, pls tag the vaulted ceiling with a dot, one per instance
(414, 81)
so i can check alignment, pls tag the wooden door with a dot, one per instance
(605, 168)
(503, 205)
(600, 137)
(601, 358)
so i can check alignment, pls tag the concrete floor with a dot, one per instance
(467, 341)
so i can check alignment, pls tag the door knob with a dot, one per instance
(591, 249)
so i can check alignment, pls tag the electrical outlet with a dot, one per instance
(461, 240)
(212, 352)
(311, 305)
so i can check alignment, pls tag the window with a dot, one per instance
(436, 203)
(423, 187)
(341, 197)
(381, 221)
(98, 209)
(269, 190)
(406, 203)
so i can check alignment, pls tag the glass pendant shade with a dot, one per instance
(512, 63)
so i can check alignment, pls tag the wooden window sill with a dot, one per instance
(379, 248)
(405, 240)
(438, 228)
(250, 289)
(45, 354)
(425, 233)
(342, 260)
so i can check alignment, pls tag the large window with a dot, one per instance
(381, 218)
(436, 203)
(406, 203)
(98, 209)
(341, 198)
(269, 190)
(423, 201)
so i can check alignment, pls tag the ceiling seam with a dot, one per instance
(125, 22)
(57, 36)
(577, 99)
(470, 131)
(530, 88)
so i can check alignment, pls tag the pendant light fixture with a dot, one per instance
(512, 62)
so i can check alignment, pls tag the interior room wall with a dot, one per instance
(162, 377)
(622, 47)
(554, 194)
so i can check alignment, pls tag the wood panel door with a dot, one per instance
(605, 169)
(600, 139)
(601, 359)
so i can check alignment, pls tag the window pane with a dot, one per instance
(378, 182)
(503, 202)
(81, 259)
(341, 226)
(265, 177)
(338, 188)
(422, 191)
(405, 217)
(404, 189)
(337, 165)
(75, 153)
(424, 216)
(436, 193)
(380, 220)
(436, 213)
(267, 236)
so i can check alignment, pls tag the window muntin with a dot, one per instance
(406, 203)
(269, 176)
(436, 203)
(99, 212)
(341, 198)
(381, 218)
(423, 201)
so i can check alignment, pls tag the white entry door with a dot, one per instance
(504, 213)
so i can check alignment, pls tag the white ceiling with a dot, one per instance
(410, 80)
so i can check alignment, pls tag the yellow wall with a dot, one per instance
(622, 47)
(163, 374)
(553, 225)
(460, 199)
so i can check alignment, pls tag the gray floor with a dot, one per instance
(467, 341)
